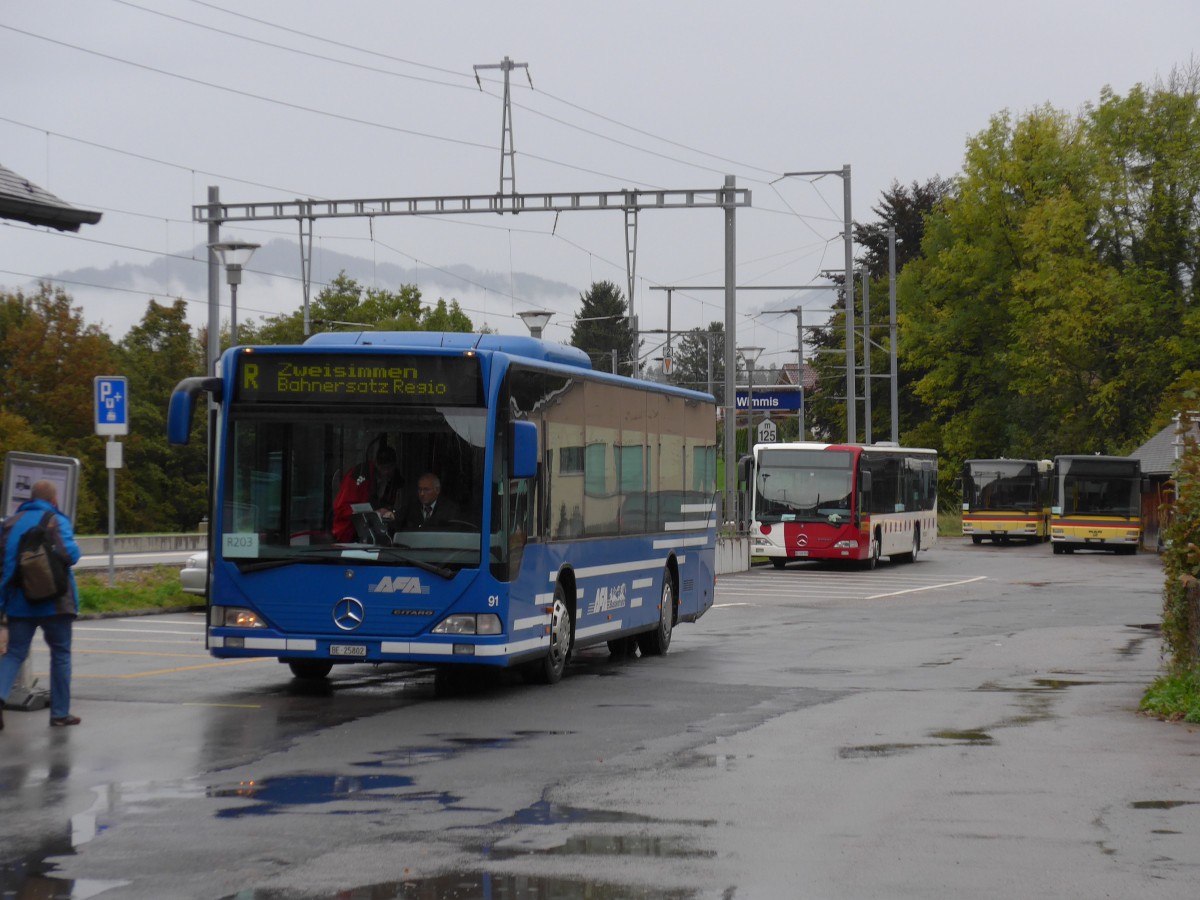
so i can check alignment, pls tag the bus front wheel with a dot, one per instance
(656, 642)
(549, 669)
(310, 669)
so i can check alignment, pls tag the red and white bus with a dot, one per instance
(848, 502)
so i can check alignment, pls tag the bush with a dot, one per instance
(1175, 697)
(1181, 564)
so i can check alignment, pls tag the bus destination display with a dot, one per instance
(291, 378)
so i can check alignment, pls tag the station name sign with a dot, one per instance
(358, 378)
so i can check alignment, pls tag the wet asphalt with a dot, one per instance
(966, 726)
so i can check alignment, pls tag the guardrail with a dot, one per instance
(93, 545)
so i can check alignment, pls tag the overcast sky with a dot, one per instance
(135, 108)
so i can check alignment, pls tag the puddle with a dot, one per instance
(603, 845)
(486, 886)
(1132, 646)
(706, 761)
(874, 751)
(273, 795)
(1161, 804)
(404, 757)
(543, 812)
(1059, 684)
(963, 737)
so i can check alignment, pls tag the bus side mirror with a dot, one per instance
(183, 402)
(524, 449)
(864, 480)
(746, 471)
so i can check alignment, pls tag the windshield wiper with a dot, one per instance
(336, 552)
(395, 553)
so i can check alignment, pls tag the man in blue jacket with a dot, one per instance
(54, 617)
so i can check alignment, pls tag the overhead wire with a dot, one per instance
(413, 132)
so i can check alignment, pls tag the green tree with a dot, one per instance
(697, 355)
(161, 488)
(960, 303)
(1054, 300)
(344, 304)
(602, 326)
(905, 209)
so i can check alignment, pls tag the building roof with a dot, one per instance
(1159, 455)
(787, 375)
(24, 201)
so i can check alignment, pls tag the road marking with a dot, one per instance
(141, 653)
(226, 705)
(171, 671)
(928, 587)
(724, 605)
(134, 630)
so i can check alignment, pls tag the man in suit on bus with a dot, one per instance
(431, 510)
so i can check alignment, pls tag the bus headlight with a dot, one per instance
(236, 617)
(469, 623)
(846, 545)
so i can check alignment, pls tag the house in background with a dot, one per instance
(1159, 457)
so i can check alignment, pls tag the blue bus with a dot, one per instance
(585, 503)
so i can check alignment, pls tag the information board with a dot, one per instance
(359, 378)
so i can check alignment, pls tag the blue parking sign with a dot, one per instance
(112, 405)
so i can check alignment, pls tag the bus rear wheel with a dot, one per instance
(310, 669)
(916, 548)
(656, 642)
(549, 669)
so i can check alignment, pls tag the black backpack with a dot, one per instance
(42, 568)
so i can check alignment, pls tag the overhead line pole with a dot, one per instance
(848, 237)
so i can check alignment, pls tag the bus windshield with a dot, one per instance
(1002, 485)
(1098, 486)
(320, 483)
(803, 486)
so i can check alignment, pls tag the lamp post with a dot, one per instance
(535, 320)
(750, 355)
(234, 255)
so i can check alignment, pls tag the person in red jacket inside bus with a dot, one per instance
(372, 481)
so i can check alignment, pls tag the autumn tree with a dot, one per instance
(50, 358)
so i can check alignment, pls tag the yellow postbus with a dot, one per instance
(1097, 504)
(1006, 499)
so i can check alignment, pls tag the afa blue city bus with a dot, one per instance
(585, 503)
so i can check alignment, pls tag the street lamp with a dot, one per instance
(750, 355)
(234, 255)
(535, 320)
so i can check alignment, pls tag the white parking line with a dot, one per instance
(928, 587)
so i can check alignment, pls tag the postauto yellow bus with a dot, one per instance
(1097, 504)
(1006, 499)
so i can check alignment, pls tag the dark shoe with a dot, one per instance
(62, 721)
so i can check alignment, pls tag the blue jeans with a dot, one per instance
(57, 632)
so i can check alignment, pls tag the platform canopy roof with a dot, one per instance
(24, 201)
